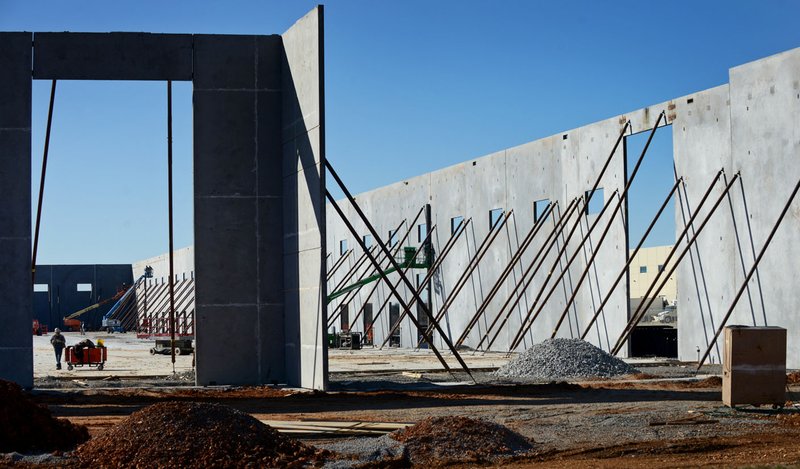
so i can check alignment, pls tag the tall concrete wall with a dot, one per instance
(302, 136)
(258, 181)
(750, 125)
(16, 294)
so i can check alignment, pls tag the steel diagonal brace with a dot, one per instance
(486, 244)
(674, 249)
(750, 273)
(337, 264)
(395, 265)
(526, 242)
(586, 237)
(448, 246)
(596, 250)
(530, 316)
(637, 319)
(631, 257)
(530, 273)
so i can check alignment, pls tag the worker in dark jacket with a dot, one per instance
(59, 342)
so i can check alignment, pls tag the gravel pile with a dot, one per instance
(28, 427)
(559, 359)
(450, 440)
(193, 434)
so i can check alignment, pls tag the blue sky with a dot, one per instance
(411, 87)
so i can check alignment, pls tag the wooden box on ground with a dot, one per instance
(754, 366)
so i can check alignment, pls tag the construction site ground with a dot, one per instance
(667, 416)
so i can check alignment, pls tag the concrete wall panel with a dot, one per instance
(303, 156)
(112, 56)
(16, 295)
(765, 126)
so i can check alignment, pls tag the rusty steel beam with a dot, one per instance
(526, 242)
(620, 200)
(41, 182)
(750, 273)
(471, 266)
(530, 272)
(646, 304)
(395, 265)
(445, 251)
(596, 249)
(337, 264)
(348, 297)
(529, 316)
(631, 257)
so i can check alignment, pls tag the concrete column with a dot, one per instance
(16, 292)
(238, 210)
(303, 148)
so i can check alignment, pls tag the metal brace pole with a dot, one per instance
(471, 266)
(631, 257)
(750, 273)
(530, 273)
(596, 250)
(689, 244)
(674, 249)
(395, 265)
(337, 264)
(41, 182)
(445, 251)
(526, 242)
(620, 201)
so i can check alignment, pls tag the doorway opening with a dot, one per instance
(656, 333)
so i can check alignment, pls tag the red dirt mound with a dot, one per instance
(447, 440)
(26, 427)
(194, 434)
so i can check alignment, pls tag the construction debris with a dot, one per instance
(194, 434)
(560, 359)
(27, 427)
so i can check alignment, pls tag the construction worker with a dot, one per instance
(59, 342)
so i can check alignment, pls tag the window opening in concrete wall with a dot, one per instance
(422, 232)
(344, 317)
(342, 247)
(84, 287)
(495, 215)
(596, 201)
(539, 207)
(654, 180)
(41, 287)
(367, 241)
(456, 225)
(393, 239)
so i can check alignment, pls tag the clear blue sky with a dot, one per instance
(411, 86)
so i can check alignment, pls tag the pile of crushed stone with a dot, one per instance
(450, 440)
(559, 359)
(194, 434)
(28, 427)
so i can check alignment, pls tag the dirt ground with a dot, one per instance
(664, 417)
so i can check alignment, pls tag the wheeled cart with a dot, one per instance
(89, 357)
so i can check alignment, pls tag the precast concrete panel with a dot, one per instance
(303, 172)
(112, 56)
(701, 135)
(16, 294)
(765, 127)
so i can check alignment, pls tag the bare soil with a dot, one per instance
(631, 423)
